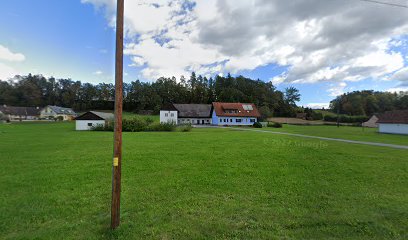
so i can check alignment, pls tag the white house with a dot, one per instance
(394, 122)
(234, 114)
(55, 112)
(92, 119)
(195, 114)
(168, 114)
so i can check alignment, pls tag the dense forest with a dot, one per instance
(36, 90)
(369, 102)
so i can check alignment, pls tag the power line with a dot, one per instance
(385, 3)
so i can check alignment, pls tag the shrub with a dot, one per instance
(317, 115)
(59, 119)
(275, 125)
(134, 125)
(161, 127)
(98, 128)
(345, 118)
(186, 128)
(4, 118)
(257, 125)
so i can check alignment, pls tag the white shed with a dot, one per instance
(394, 122)
(92, 119)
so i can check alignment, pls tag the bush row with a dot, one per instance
(139, 125)
(345, 118)
(274, 125)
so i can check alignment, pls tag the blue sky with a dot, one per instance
(75, 39)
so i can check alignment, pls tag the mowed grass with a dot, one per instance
(206, 184)
(344, 132)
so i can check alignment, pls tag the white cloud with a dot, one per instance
(337, 89)
(397, 89)
(318, 105)
(7, 72)
(7, 55)
(319, 40)
(99, 72)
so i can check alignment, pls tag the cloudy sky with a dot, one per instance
(322, 47)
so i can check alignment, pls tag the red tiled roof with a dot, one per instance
(220, 108)
(398, 116)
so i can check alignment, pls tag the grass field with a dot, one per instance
(205, 184)
(344, 132)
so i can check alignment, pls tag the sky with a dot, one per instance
(323, 48)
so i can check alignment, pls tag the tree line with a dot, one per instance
(368, 102)
(37, 90)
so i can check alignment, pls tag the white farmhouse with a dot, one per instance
(395, 122)
(195, 114)
(55, 112)
(92, 119)
(168, 114)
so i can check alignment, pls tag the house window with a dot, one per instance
(166, 114)
(252, 120)
(231, 120)
(89, 124)
(172, 115)
(238, 120)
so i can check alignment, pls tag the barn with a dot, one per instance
(92, 119)
(394, 122)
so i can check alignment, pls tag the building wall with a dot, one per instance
(83, 125)
(47, 112)
(214, 118)
(168, 116)
(195, 121)
(393, 128)
(233, 121)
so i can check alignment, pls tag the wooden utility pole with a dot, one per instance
(117, 144)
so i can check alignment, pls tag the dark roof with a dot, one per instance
(242, 109)
(193, 110)
(20, 111)
(62, 110)
(397, 116)
(168, 107)
(92, 115)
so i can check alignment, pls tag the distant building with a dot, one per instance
(92, 119)
(372, 122)
(168, 114)
(55, 112)
(216, 113)
(195, 114)
(234, 114)
(395, 122)
(20, 113)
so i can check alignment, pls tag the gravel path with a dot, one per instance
(325, 138)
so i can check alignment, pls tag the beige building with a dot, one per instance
(53, 112)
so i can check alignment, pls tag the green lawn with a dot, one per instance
(205, 184)
(344, 132)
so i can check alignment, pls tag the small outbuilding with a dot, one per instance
(92, 119)
(394, 122)
(372, 122)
